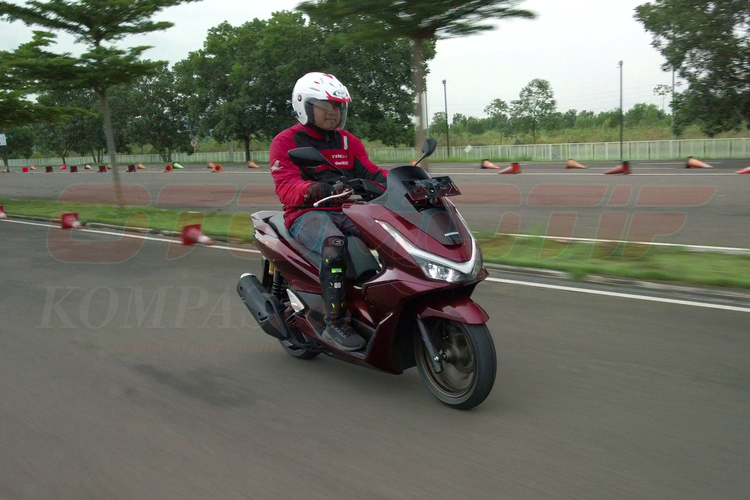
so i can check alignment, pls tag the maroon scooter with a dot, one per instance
(409, 286)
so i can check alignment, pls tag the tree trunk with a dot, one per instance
(247, 148)
(93, 154)
(5, 158)
(63, 157)
(110, 135)
(418, 79)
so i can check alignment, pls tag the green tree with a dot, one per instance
(662, 91)
(499, 114)
(474, 126)
(96, 24)
(241, 81)
(707, 43)
(535, 103)
(17, 111)
(160, 114)
(643, 114)
(418, 21)
(20, 143)
(83, 132)
(438, 124)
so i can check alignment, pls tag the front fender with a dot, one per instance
(462, 309)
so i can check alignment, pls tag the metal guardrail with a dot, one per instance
(595, 151)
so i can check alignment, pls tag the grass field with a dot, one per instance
(579, 259)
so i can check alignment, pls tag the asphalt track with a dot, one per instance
(660, 201)
(597, 396)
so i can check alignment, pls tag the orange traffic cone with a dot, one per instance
(622, 169)
(168, 168)
(2, 213)
(210, 165)
(744, 171)
(252, 164)
(487, 164)
(192, 234)
(87, 167)
(24, 169)
(218, 168)
(571, 163)
(63, 167)
(515, 168)
(109, 166)
(140, 166)
(693, 163)
(70, 221)
(33, 167)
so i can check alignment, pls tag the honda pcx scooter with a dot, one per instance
(410, 280)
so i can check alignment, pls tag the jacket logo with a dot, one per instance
(276, 166)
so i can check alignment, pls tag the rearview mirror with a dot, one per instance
(308, 157)
(429, 147)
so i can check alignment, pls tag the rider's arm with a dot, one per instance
(363, 167)
(290, 186)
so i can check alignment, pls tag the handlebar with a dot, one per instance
(332, 197)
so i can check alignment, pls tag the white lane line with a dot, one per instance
(128, 235)
(665, 163)
(579, 174)
(697, 248)
(728, 250)
(496, 280)
(647, 298)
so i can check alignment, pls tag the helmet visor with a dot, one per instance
(328, 106)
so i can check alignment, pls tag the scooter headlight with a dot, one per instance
(441, 273)
(436, 267)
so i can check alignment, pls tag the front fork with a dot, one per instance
(435, 357)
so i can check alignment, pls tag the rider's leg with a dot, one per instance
(319, 232)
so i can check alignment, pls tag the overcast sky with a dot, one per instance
(575, 44)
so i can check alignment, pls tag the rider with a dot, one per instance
(320, 104)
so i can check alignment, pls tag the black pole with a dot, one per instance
(447, 129)
(622, 118)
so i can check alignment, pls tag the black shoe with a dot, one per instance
(344, 337)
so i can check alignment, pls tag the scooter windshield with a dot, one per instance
(416, 197)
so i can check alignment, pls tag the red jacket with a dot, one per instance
(339, 147)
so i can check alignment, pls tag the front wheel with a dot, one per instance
(469, 363)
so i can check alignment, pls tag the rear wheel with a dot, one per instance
(469, 363)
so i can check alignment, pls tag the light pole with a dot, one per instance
(447, 129)
(622, 118)
(672, 105)
(426, 114)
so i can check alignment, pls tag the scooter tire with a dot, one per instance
(484, 368)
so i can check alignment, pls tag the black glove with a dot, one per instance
(340, 188)
(318, 191)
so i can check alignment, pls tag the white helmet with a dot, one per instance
(321, 89)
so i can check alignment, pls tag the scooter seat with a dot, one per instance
(277, 222)
(361, 265)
